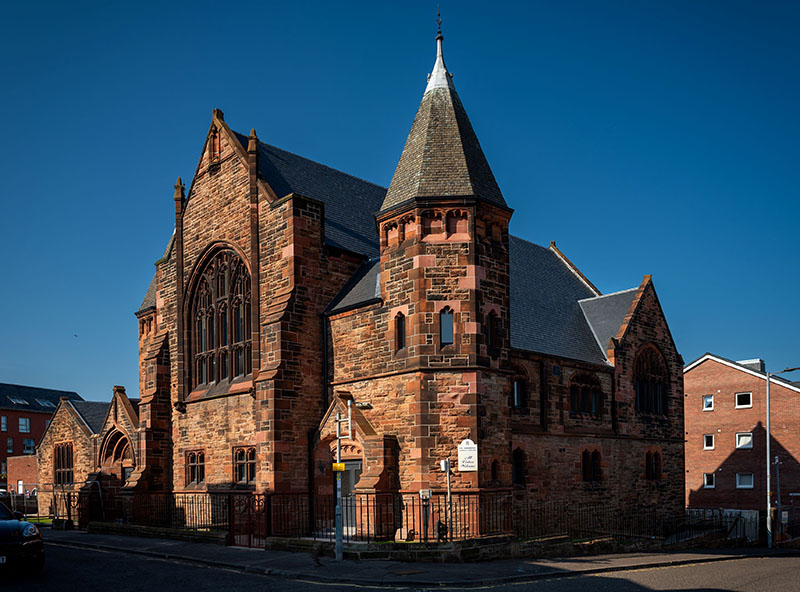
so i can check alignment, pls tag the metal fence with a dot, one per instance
(248, 519)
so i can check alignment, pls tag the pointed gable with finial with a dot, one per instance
(442, 156)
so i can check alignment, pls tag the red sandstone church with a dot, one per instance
(289, 289)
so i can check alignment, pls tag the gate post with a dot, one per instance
(231, 529)
(268, 514)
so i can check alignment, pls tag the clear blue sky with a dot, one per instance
(643, 137)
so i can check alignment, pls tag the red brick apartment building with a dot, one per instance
(25, 412)
(725, 411)
(289, 288)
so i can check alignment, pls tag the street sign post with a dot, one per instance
(338, 468)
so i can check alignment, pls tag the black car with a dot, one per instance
(20, 541)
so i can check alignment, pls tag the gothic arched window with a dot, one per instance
(399, 331)
(585, 395)
(650, 382)
(220, 321)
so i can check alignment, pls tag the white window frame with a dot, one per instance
(705, 445)
(736, 400)
(706, 484)
(704, 403)
(739, 484)
(26, 422)
(740, 447)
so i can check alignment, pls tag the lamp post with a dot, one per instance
(769, 458)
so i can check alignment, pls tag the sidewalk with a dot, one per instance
(302, 566)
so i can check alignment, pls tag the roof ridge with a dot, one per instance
(530, 242)
(610, 294)
(38, 388)
(295, 154)
(785, 382)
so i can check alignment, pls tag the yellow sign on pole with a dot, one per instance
(338, 467)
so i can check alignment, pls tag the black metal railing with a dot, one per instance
(249, 519)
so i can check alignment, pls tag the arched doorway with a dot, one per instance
(116, 456)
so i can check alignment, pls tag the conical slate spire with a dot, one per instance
(442, 156)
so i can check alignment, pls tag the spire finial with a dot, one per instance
(440, 77)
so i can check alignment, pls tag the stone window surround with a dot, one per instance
(226, 353)
(392, 337)
(63, 462)
(653, 465)
(580, 382)
(591, 466)
(195, 467)
(651, 381)
(244, 464)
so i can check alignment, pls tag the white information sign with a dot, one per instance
(467, 456)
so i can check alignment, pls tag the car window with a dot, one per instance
(5, 514)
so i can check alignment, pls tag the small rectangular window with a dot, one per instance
(708, 480)
(10, 445)
(446, 327)
(28, 446)
(744, 400)
(46, 403)
(18, 401)
(744, 480)
(519, 394)
(399, 332)
(24, 425)
(744, 440)
(708, 402)
(3, 424)
(708, 442)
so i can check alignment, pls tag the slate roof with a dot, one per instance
(606, 313)
(546, 316)
(553, 311)
(360, 290)
(350, 202)
(442, 156)
(31, 394)
(92, 412)
(150, 296)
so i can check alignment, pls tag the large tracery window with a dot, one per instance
(221, 339)
(650, 382)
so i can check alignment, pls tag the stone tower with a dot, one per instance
(444, 278)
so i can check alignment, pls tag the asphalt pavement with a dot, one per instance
(303, 566)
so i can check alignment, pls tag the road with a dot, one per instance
(83, 570)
